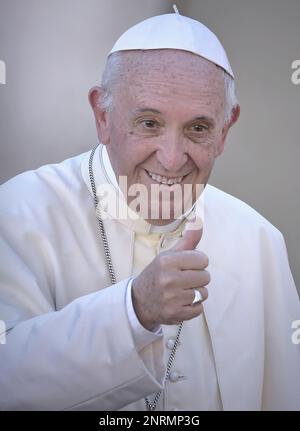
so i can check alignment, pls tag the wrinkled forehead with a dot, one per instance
(170, 75)
(170, 62)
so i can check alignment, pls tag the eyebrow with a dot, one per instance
(141, 110)
(209, 120)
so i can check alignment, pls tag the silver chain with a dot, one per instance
(100, 221)
(149, 406)
(152, 406)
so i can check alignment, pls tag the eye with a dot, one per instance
(198, 128)
(149, 124)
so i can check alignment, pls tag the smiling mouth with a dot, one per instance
(160, 179)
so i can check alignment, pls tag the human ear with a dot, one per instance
(235, 113)
(101, 116)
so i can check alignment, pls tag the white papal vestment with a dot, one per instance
(70, 342)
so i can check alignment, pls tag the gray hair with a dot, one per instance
(112, 73)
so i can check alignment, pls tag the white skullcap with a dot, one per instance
(174, 31)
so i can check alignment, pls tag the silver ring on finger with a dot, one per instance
(198, 297)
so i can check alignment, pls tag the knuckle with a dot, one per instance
(195, 311)
(165, 259)
(205, 260)
(204, 293)
(165, 279)
(206, 278)
(199, 309)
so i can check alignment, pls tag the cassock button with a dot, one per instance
(173, 377)
(170, 343)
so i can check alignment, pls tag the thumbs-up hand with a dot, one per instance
(163, 292)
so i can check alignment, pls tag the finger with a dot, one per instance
(190, 312)
(189, 296)
(189, 241)
(190, 259)
(193, 279)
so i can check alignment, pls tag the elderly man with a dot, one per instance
(189, 311)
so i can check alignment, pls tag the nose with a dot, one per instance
(171, 153)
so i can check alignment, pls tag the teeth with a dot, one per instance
(165, 180)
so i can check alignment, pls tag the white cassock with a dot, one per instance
(73, 341)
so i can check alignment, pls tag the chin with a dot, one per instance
(157, 222)
(166, 213)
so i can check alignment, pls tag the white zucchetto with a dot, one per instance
(174, 31)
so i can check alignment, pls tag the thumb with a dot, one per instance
(189, 241)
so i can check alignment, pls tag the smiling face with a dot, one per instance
(167, 122)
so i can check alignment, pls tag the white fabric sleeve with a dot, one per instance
(142, 336)
(81, 357)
